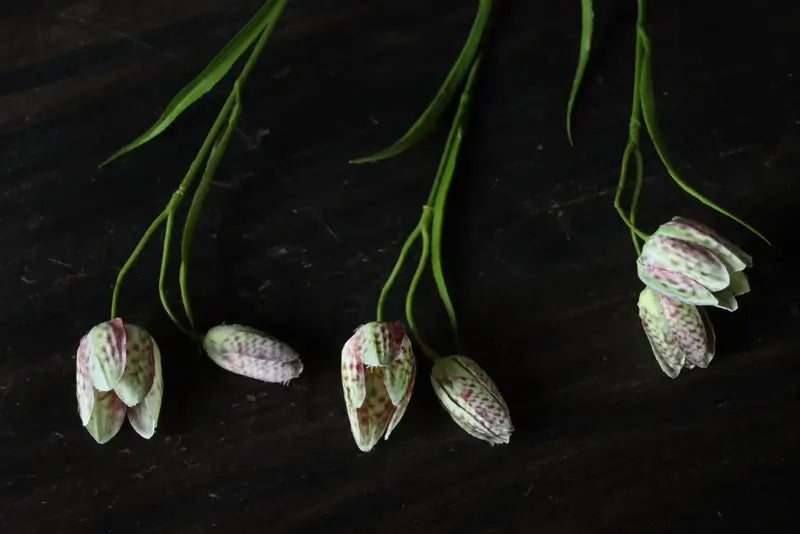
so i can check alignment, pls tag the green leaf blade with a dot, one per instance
(647, 99)
(203, 82)
(587, 29)
(444, 96)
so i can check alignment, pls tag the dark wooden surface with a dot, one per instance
(296, 242)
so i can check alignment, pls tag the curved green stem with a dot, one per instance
(162, 275)
(132, 258)
(412, 286)
(172, 205)
(215, 143)
(632, 148)
(232, 109)
(649, 114)
(444, 178)
(637, 189)
(200, 194)
(438, 221)
(387, 286)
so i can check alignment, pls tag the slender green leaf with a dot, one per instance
(200, 195)
(162, 275)
(446, 92)
(205, 81)
(587, 28)
(649, 115)
(436, 237)
(444, 177)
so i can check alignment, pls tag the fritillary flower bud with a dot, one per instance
(680, 334)
(249, 352)
(378, 372)
(118, 372)
(693, 264)
(472, 399)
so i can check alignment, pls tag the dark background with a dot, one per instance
(297, 242)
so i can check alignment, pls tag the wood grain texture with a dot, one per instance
(296, 242)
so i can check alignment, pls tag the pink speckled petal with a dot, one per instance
(370, 421)
(668, 353)
(252, 353)
(689, 330)
(675, 285)
(107, 417)
(380, 342)
(703, 360)
(480, 375)
(402, 403)
(144, 416)
(472, 399)
(83, 381)
(688, 259)
(137, 379)
(399, 374)
(353, 380)
(464, 419)
(687, 230)
(107, 354)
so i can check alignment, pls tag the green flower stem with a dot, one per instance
(442, 184)
(430, 225)
(132, 258)
(438, 221)
(648, 112)
(173, 204)
(215, 144)
(633, 148)
(644, 106)
(200, 194)
(431, 221)
(162, 275)
(387, 286)
(412, 286)
(637, 190)
(218, 150)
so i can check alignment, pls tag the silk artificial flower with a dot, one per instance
(378, 372)
(118, 372)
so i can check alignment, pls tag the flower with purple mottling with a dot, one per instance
(472, 399)
(693, 264)
(249, 352)
(118, 373)
(378, 372)
(680, 334)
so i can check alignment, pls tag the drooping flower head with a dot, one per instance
(472, 399)
(680, 334)
(693, 264)
(252, 353)
(118, 372)
(378, 372)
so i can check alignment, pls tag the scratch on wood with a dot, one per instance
(322, 221)
(59, 262)
(110, 31)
